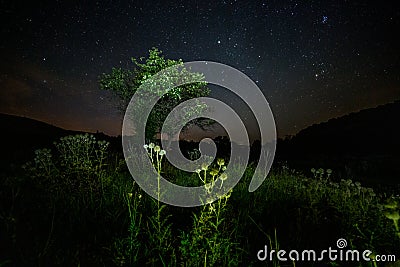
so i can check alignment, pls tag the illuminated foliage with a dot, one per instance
(125, 83)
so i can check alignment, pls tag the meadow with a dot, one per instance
(76, 204)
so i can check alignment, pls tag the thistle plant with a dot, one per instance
(210, 176)
(43, 167)
(156, 155)
(159, 229)
(82, 154)
(76, 172)
(210, 242)
(82, 160)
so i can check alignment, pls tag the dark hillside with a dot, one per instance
(20, 136)
(365, 144)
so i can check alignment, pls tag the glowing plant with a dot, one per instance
(208, 243)
(159, 229)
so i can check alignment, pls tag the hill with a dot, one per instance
(369, 131)
(361, 144)
(21, 136)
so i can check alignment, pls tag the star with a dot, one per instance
(286, 52)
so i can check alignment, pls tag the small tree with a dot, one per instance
(125, 83)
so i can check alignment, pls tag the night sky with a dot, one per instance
(313, 60)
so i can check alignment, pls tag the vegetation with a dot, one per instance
(77, 205)
(125, 83)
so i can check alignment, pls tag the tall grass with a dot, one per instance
(77, 205)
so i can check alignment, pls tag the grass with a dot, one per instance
(77, 205)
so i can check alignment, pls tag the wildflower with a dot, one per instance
(213, 172)
(204, 166)
(197, 171)
(130, 195)
(211, 208)
(157, 148)
(219, 194)
(223, 176)
(220, 162)
(151, 145)
(162, 152)
(208, 187)
(146, 147)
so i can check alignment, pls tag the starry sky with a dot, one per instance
(313, 60)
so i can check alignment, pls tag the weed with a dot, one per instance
(160, 248)
(127, 249)
(211, 241)
(73, 204)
